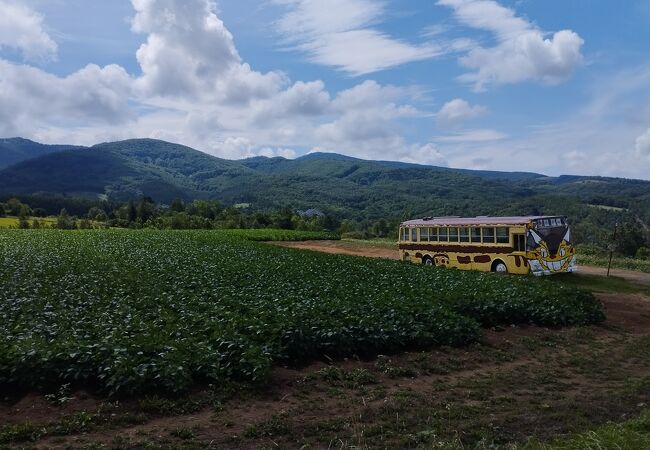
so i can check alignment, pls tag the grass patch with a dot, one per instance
(631, 435)
(599, 283)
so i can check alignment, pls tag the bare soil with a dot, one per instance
(343, 248)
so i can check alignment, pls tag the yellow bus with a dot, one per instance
(540, 245)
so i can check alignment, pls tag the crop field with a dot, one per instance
(141, 311)
(12, 222)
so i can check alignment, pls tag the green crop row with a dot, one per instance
(270, 234)
(134, 311)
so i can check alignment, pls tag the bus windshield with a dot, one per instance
(549, 222)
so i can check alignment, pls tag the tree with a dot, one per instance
(13, 206)
(282, 219)
(2, 210)
(146, 209)
(178, 205)
(84, 224)
(63, 221)
(131, 211)
(381, 228)
(23, 214)
(629, 238)
(96, 213)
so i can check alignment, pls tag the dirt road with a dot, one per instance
(360, 249)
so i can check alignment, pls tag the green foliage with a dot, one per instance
(593, 255)
(19, 433)
(64, 221)
(142, 311)
(631, 435)
(629, 238)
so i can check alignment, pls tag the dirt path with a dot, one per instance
(629, 275)
(357, 249)
(343, 248)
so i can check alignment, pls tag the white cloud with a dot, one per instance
(480, 135)
(196, 90)
(366, 95)
(269, 152)
(457, 111)
(189, 53)
(426, 154)
(642, 144)
(339, 33)
(301, 99)
(523, 52)
(21, 28)
(30, 97)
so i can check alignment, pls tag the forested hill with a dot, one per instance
(340, 185)
(15, 150)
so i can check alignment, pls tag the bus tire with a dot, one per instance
(427, 260)
(499, 266)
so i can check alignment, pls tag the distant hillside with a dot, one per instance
(347, 187)
(15, 150)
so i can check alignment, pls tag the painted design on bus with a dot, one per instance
(540, 245)
(550, 251)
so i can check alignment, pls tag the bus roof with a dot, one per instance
(479, 220)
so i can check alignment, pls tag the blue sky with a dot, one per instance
(555, 87)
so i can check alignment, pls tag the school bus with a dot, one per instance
(540, 245)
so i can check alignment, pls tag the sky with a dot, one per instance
(553, 86)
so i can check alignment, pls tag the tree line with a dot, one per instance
(631, 238)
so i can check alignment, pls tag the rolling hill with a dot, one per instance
(342, 185)
(15, 150)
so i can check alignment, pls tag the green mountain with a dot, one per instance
(345, 186)
(15, 150)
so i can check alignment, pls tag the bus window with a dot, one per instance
(488, 235)
(424, 234)
(443, 235)
(414, 234)
(502, 235)
(402, 234)
(476, 234)
(519, 241)
(433, 234)
(453, 234)
(464, 234)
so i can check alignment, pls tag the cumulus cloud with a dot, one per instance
(30, 97)
(301, 99)
(339, 33)
(374, 133)
(22, 29)
(523, 51)
(190, 53)
(427, 154)
(642, 144)
(457, 111)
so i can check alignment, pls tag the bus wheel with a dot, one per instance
(499, 267)
(427, 260)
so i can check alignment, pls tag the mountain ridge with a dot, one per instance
(342, 185)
